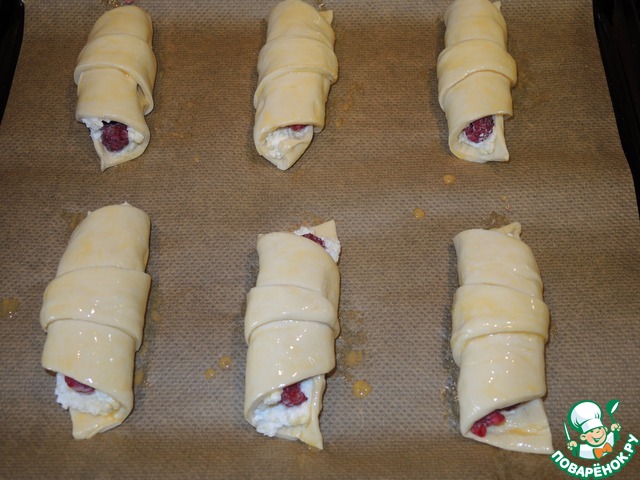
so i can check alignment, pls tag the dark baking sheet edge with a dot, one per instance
(11, 30)
(617, 27)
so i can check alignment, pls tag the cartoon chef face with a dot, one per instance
(595, 437)
(586, 418)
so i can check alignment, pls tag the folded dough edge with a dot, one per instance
(296, 67)
(93, 310)
(115, 76)
(291, 323)
(498, 339)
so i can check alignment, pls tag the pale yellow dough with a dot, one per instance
(291, 323)
(115, 75)
(93, 311)
(500, 327)
(296, 68)
(475, 76)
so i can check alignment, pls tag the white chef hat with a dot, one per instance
(585, 416)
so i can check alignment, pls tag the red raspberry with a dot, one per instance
(479, 429)
(297, 128)
(480, 129)
(494, 418)
(292, 395)
(77, 386)
(312, 237)
(114, 136)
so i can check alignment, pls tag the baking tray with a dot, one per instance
(383, 171)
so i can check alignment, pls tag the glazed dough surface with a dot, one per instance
(475, 75)
(93, 311)
(115, 75)
(500, 327)
(291, 323)
(296, 68)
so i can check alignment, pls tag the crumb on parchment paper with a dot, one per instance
(117, 3)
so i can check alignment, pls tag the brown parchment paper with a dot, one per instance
(380, 162)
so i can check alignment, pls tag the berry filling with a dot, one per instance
(494, 418)
(292, 395)
(77, 386)
(115, 136)
(314, 238)
(297, 128)
(480, 129)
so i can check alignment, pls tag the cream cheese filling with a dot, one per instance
(331, 245)
(96, 403)
(271, 415)
(275, 139)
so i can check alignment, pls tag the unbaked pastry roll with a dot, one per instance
(500, 327)
(296, 68)
(291, 323)
(115, 75)
(475, 76)
(93, 313)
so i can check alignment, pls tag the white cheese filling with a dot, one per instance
(95, 130)
(271, 415)
(275, 139)
(96, 403)
(331, 245)
(487, 145)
